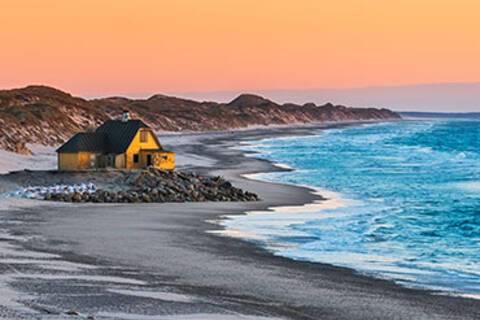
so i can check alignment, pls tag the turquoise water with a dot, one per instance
(407, 202)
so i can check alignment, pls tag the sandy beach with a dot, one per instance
(166, 261)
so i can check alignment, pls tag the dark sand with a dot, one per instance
(165, 249)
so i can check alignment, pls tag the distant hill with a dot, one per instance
(441, 115)
(47, 116)
(444, 97)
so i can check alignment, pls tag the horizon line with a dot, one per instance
(150, 93)
(354, 96)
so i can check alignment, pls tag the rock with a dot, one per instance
(146, 198)
(226, 185)
(76, 197)
(72, 313)
(152, 185)
(195, 195)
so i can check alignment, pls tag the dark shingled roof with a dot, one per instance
(120, 133)
(85, 141)
(114, 136)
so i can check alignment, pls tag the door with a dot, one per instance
(149, 160)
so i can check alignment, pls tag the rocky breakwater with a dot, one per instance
(152, 185)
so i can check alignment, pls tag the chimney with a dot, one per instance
(125, 116)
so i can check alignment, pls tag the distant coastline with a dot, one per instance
(440, 115)
(47, 116)
(454, 96)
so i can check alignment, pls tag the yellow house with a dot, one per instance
(120, 144)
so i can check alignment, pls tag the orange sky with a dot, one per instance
(100, 47)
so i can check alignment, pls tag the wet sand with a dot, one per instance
(157, 261)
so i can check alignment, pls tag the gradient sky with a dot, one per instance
(104, 47)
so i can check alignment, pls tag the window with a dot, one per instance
(136, 158)
(93, 161)
(143, 136)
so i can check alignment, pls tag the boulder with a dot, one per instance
(152, 185)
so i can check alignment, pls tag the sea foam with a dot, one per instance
(402, 202)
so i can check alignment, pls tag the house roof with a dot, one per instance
(114, 136)
(85, 141)
(120, 133)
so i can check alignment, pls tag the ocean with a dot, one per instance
(404, 202)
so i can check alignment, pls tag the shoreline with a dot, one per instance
(317, 203)
(168, 247)
(327, 200)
